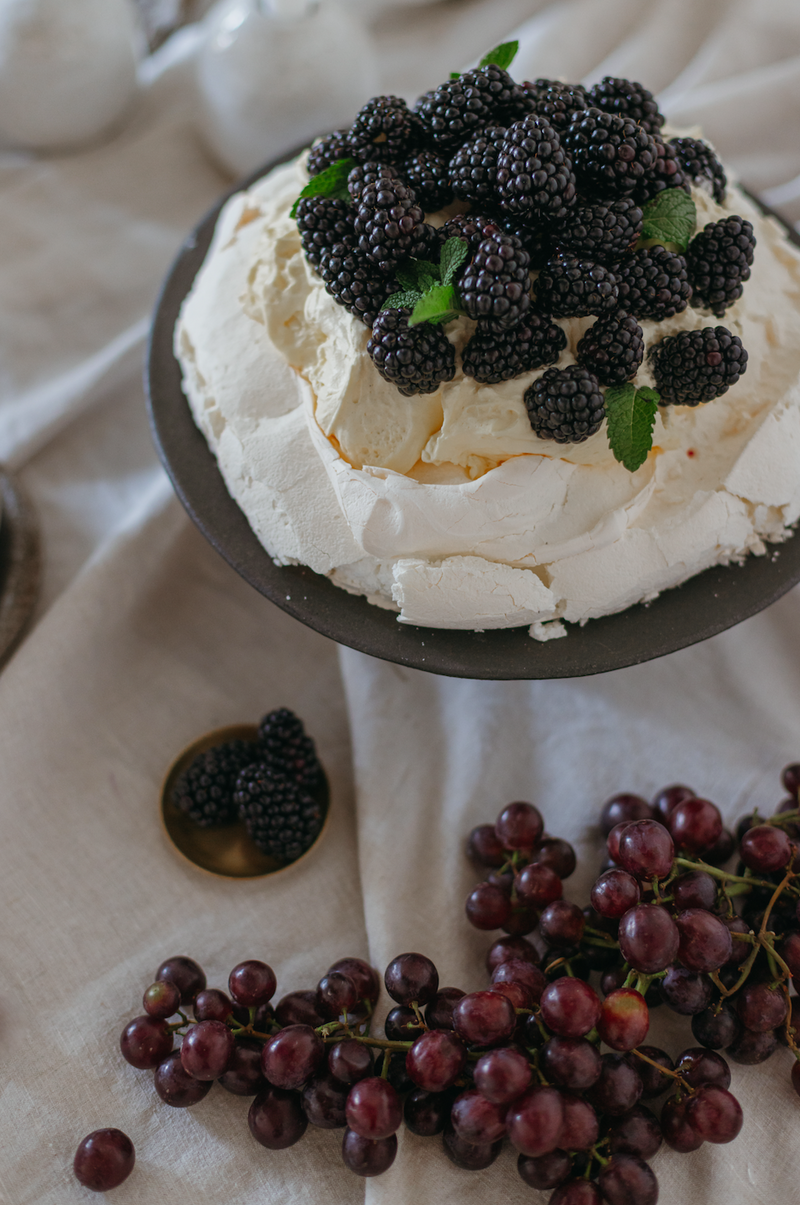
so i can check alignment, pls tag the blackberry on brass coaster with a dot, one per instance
(247, 800)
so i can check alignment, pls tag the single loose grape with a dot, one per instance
(104, 1159)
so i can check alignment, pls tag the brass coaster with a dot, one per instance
(226, 851)
(20, 563)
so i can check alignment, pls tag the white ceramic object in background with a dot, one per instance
(272, 74)
(67, 70)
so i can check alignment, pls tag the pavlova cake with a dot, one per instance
(517, 355)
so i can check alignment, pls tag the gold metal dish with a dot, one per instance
(226, 851)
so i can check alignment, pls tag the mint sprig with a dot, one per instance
(671, 217)
(502, 55)
(427, 289)
(330, 183)
(631, 415)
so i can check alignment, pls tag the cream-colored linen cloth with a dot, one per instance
(145, 639)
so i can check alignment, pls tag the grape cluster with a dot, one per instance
(522, 1058)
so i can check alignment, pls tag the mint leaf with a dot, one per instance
(671, 217)
(402, 301)
(631, 414)
(427, 282)
(502, 55)
(407, 276)
(440, 304)
(330, 183)
(454, 252)
(426, 268)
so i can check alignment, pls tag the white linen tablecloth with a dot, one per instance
(145, 639)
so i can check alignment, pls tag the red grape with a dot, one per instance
(175, 1086)
(439, 1013)
(162, 999)
(572, 1063)
(517, 971)
(350, 1061)
(521, 920)
(705, 942)
(696, 889)
(324, 1099)
(790, 778)
(570, 1007)
(373, 1108)
(502, 1075)
(648, 938)
(213, 1005)
(678, 1131)
(243, 1075)
(402, 1024)
(207, 1049)
(789, 952)
(686, 992)
(614, 893)
(668, 799)
(765, 848)
(646, 850)
(145, 1042)
(518, 995)
(761, 1007)
(557, 854)
(476, 1119)
(436, 1060)
(484, 847)
(722, 849)
(365, 977)
(624, 1019)
(618, 1087)
(580, 1128)
(562, 924)
(695, 825)
(539, 885)
(700, 1066)
(534, 1121)
(104, 1159)
(612, 841)
(276, 1118)
(411, 977)
(546, 1171)
(470, 1156)
(750, 1048)
(426, 1113)
(337, 995)
(186, 974)
(716, 1029)
(519, 826)
(299, 1008)
(510, 947)
(627, 1178)
(653, 1082)
(715, 1114)
(368, 1157)
(635, 1133)
(488, 906)
(252, 983)
(484, 1018)
(292, 1056)
(623, 808)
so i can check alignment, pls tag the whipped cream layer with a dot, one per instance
(447, 507)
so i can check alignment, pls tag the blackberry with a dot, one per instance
(653, 283)
(565, 404)
(384, 130)
(534, 172)
(537, 240)
(718, 261)
(205, 789)
(428, 174)
(602, 231)
(416, 359)
(556, 102)
(701, 165)
(322, 223)
(281, 817)
(492, 356)
(626, 98)
(666, 173)
(697, 366)
(286, 748)
(390, 226)
(610, 154)
(368, 173)
(612, 349)
(496, 286)
(473, 228)
(354, 282)
(571, 287)
(473, 168)
(328, 151)
(460, 107)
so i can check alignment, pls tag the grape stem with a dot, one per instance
(666, 1071)
(763, 938)
(727, 877)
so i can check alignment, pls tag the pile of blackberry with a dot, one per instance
(536, 177)
(272, 784)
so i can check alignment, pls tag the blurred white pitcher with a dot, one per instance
(272, 74)
(67, 70)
